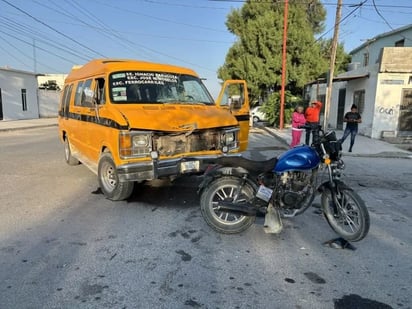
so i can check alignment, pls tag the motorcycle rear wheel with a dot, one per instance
(221, 189)
(351, 221)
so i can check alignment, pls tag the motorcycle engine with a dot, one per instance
(292, 189)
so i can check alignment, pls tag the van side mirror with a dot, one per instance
(236, 102)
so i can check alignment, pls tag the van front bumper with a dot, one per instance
(154, 169)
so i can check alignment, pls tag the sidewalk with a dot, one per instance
(12, 125)
(364, 146)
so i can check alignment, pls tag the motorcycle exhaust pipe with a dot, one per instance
(244, 209)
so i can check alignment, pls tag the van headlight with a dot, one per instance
(135, 144)
(140, 141)
(230, 139)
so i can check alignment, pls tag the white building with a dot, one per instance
(23, 95)
(379, 82)
(18, 95)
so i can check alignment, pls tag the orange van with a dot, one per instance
(130, 121)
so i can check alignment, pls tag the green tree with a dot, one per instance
(256, 56)
(342, 58)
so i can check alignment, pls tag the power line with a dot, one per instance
(53, 29)
(24, 54)
(24, 30)
(10, 54)
(343, 19)
(381, 16)
(161, 19)
(40, 48)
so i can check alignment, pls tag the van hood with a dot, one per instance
(175, 118)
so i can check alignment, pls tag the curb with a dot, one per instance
(283, 141)
(27, 127)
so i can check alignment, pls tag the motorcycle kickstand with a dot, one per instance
(273, 222)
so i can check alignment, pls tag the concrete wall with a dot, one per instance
(48, 103)
(11, 83)
(369, 85)
(388, 100)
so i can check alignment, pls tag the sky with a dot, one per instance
(52, 36)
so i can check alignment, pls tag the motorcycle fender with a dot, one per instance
(338, 183)
(221, 171)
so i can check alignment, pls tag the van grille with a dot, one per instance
(170, 145)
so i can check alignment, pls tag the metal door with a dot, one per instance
(405, 112)
(341, 108)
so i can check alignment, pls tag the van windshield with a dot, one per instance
(157, 87)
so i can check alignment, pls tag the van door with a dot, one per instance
(234, 97)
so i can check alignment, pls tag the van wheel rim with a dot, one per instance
(109, 177)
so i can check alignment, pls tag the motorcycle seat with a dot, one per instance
(252, 166)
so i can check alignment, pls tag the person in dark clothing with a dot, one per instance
(352, 119)
(312, 119)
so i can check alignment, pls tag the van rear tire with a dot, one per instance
(109, 182)
(68, 153)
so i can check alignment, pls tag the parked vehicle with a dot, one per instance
(257, 114)
(131, 121)
(235, 190)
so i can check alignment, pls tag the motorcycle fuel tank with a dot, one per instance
(299, 158)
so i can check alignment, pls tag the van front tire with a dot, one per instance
(109, 182)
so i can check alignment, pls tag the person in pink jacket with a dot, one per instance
(298, 120)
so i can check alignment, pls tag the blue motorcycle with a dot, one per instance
(235, 190)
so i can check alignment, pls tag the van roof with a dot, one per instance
(103, 66)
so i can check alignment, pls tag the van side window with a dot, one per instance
(79, 91)
(87, 94)
(100, 93)
(66, 100)
(63, 99)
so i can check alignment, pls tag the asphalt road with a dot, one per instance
(62, 245)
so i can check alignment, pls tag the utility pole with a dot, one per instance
(282, 89)
(332, 64)
(34, 56)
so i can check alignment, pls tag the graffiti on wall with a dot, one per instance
(389, 111)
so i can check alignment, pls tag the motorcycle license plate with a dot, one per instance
(189, 166)
(264, 193)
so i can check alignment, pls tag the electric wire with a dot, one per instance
(20, 28)
(24, 54)
(11, 54)
(53, 29)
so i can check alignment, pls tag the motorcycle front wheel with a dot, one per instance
(350, 217)
(226, 189)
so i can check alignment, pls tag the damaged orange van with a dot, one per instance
(130, 121)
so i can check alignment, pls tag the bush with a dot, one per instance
(271, 107)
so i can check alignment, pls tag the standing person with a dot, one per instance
(312, 118)
(352, 119)
(298, 120)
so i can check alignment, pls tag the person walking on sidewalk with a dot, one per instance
(298, 120)
(312, 118)
(352, 119)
